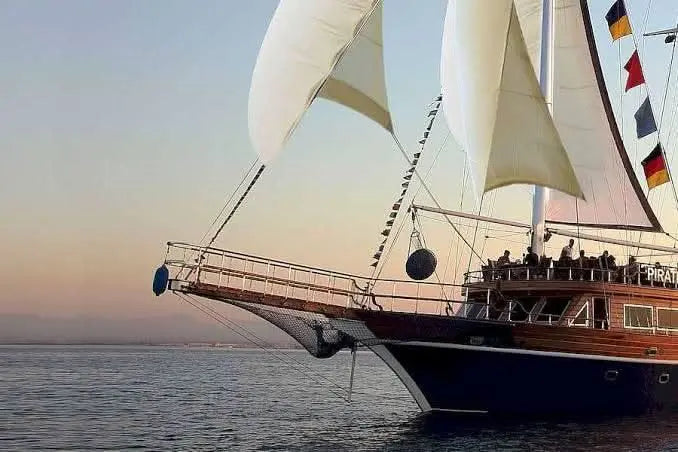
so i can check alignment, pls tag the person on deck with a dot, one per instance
(567, 250)
(632, 270)
(531, 258)
(604, 260)
(612, 262)
(580, 264)
(504, 260)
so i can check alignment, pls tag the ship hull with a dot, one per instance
(485, 366)
(484, 380)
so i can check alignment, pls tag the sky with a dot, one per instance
(124, 125)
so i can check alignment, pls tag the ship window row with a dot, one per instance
(638, 316)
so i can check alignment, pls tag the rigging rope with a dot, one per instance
(452, 235)
(433, 198)
(475, 233)
(228, 201)
(235, 208)
(661, 117)
(377, 272)
(407, 178)
(669, 163)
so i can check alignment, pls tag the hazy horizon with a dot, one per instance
(153, 330)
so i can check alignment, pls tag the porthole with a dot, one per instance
(611, 375)
(664, 378)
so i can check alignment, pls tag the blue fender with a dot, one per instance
(160, 280)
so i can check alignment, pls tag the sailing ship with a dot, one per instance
(524, 95)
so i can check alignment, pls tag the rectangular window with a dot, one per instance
(637, 316)
(667, 319)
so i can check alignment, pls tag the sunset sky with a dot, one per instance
(124, 125)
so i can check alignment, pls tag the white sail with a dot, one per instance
(328, 48)
(493, 102)
(586, 124)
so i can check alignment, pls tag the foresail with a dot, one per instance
(316, 48)
(493, 102)
(585, 121)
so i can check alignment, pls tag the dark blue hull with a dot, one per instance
(500, 382)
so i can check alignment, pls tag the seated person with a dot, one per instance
(504, 260)
(531, 259)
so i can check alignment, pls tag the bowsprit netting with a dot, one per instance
(312, 331)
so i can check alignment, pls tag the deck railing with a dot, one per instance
(229, 269)
(636, 274)
(244, 273)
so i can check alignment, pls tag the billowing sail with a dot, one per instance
(586, 125)
(316, 48)
(493, 102)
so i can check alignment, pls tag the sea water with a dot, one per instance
(207, 398)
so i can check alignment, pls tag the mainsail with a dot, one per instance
(493, 102)
(586, 124)
(316, 48)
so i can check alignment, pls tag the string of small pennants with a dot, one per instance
(654, 165)
(407, 178)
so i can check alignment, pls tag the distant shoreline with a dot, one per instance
(140, 344)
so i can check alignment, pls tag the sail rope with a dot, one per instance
(416, 221)
(285, 358)
(454, 238)
(433, 110)
(228, 201)
(228, 218)
(383, 250)
(660, 127)
(639, 48)
(461, 224)
(490, 212)
(221, 212)
(475, 233)
(235, 208)
(403, 220)
(433, 198)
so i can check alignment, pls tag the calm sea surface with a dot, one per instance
(172, 398)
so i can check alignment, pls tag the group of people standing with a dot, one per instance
(604, 262)
(531, 259)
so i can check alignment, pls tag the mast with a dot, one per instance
(546, 84)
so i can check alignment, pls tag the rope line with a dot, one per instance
(433, 198)
(235, 208)
(403, 219)
(230, 198)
